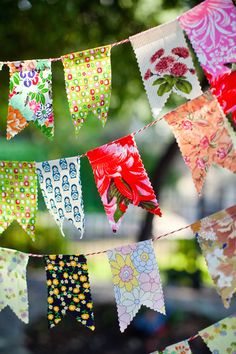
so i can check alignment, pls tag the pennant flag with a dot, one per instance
(121, 179)
(210, 27)
(202, 132)
(13, 285)
(88, 84)
(178, 348)
(18, 195)
(62, 191)
(220, 337)
(165, 64)
(136, 280)
(30, 97)
(217, 238)
(69, 289)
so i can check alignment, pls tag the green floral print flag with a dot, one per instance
(88, 84)
(13, 285)
(18, 195)
(69, 289)
(30, 97)
(221, 336)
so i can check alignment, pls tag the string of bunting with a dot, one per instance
(135, 274)
(164, 61)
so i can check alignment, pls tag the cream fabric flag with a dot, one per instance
(13, 285)
(165, 64)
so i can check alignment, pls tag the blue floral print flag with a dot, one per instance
(221, 336)
(30, 97)
(69, 289)
(62, 190)
(136, 280)
(13, 285)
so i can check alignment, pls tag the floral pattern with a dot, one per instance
(210, 27)
(88, 84)
(178, 348)
(217, 238)
(202, 132)
(165, 64)
(69, 289)
(30, 97)
(136, 280)
(18, 195)
(220, 337)
(13, 285)
(62, 191)
(121, 179)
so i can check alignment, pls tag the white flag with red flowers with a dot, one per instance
(165, 64)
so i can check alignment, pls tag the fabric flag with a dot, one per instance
(62, 191)
(69, 289)
(88, 84)
(210, 27)
(221, 336)
(165, 64)
(121, 179)
(13, 285)
(217, 238)
(203, 134)
(18, 195)
(178, 348)
(30, 97)
(136, 280)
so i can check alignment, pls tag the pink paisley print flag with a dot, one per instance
(202, 132)
(217, 238)
(30, 97)
(210, 27)
(121, 179)
(165, 64)
(88, 84)
(136, 280)
(221, 336)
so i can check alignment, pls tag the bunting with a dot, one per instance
(88, 84)
(217, 238)
(18, 195)
(210, 28)
(30, 97)
(220, 337)
(62, 191)
(121, 179)
(165, 64)
(13, 286)
(178, 348)
(202, 132)
(69, 289)
(136, 280)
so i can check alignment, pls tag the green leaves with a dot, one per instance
(168, 82)
(184, 86)
(16, 78)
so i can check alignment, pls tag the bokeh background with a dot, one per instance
(31, 29)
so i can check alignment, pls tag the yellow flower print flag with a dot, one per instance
(136, 280)
(18, 195)
(216, 235)
(203, 134)
(221, 336)
(88, 84)
(69, 289)
(13, 285)
(165, 64)
(121, 179)
(30, 97)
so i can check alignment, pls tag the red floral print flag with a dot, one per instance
(121, 179)
(203, 134)
(165, 64)
(210, 27)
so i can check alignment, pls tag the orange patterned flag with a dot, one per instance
(202, 132)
